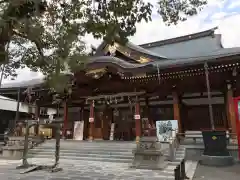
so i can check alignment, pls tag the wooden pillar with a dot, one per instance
(227, 123)
(137, 118)
(91, 121)
(103, 116)
(230, 108)
(65, 118)
(176, 110)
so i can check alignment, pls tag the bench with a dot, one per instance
(193, 135)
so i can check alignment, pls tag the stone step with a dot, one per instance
(74, 154)
(95, 152)
(65, 145)
(77, 158)
(83, 151)
(87, 149)
(124, 146)
(93, 143)
(91, 151)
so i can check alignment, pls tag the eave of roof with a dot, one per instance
(188, 37)
(121, 65)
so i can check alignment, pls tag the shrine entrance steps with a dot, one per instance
(107, 151)
(115, 154)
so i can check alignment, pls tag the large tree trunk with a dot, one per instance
(5, 36)
(6, 32)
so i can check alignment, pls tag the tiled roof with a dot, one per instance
(145, 51)
(188, 37)
(212, 56)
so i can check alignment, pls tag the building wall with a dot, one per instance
(189, 48)
(8, 104)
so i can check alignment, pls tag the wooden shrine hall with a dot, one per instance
(125, 89)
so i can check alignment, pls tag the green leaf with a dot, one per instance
(47, 35)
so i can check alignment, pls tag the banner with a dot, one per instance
(112, 132)
(165, 128)
(78, 130)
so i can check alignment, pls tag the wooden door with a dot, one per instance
(98, 123)
(197, 117)
(106, 123)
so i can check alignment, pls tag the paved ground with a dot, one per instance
(87, 170)
(217, 173)
(90, 170)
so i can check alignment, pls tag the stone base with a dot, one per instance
(12, 153)
(216, 160)
(148, 155)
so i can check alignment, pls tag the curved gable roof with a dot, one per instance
(136, 48)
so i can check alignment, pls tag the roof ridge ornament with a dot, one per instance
(112, 49)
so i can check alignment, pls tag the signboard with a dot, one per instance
(91, 120)
(112, 132)
(137, 116)
(78, 130)
(165, 128)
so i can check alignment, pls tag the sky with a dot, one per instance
(224, 14)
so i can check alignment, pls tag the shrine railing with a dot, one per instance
(196, 136)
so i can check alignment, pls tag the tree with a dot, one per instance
(50, 32)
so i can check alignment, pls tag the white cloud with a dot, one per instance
(23, 75)
(234, 4)
(213, 15)
(226, 21)
(230, 30)
(219, 15)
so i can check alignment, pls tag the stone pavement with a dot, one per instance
(217, 173)
(84, 170)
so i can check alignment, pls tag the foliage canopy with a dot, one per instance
(46, 35)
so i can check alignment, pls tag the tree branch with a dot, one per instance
(35, 41)
(4, 1)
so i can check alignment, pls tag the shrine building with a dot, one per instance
(124, 89)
